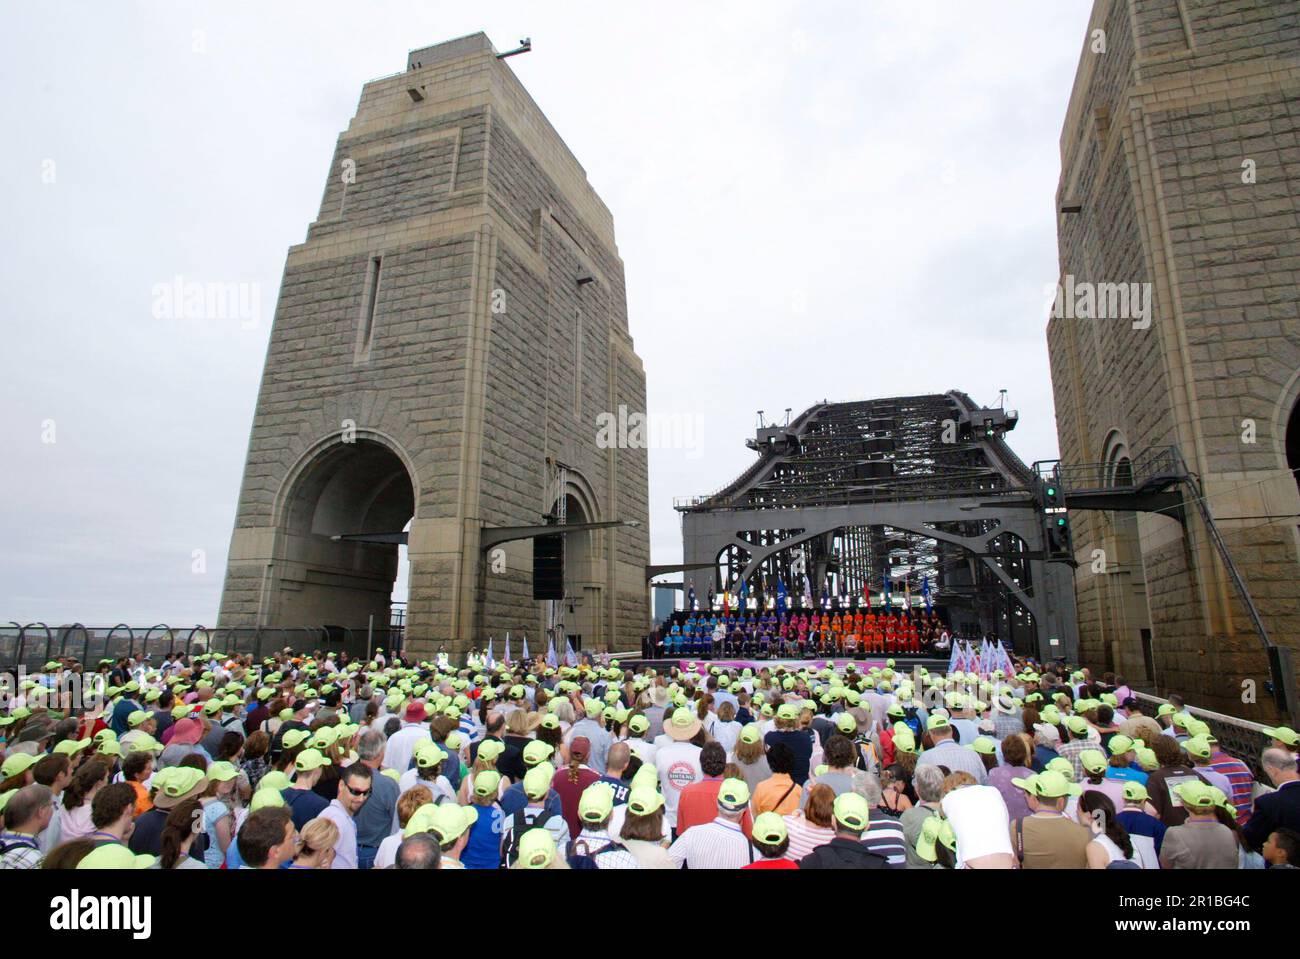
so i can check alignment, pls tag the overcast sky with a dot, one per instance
(837, 199)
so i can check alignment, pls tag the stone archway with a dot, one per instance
(340, 488)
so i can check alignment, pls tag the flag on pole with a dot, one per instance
(907, 593)
(550, 654)
(491, 660)
(866, 592)
(925, 591)
(712, 596)
(780, 596)
(744, 596)
(886, 598)
(843, 597)
(726, 602)
(807, 592)
(507, 656)
(570, 657)
(954, 657)
(524, 654)
(690, 599)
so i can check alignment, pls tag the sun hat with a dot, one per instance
(536, 849)
(769, 828)
(597, 803)
(852, 810)
(448, 822)
(733, 794)
(684, 724)
(114, 855)
(537, 781)
(179, 784)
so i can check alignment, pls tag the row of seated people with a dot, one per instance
(762, 637)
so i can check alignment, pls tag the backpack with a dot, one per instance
(587, 859)
(511, 853)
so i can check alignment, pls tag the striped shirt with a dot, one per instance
(884, 837)
(595, 841)
(23, 851)
(805, 836)
(1242, 780)
(714, 845)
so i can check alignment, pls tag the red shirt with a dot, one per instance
(772, 864)
(571, 795)
(698, 804)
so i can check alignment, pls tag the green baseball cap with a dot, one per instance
(904, 741)
(448, 822)
(846, 724)
(935, 830)
(1147, 759)
(751, 733)
(222, 772)
(1049, 785)
(984, 746)
(537, 751)
(1121, 744)
(1061, 765)
(265, 797)
(1283, 734)
(428, 755)
(733, 794)
(644, 800)
(537, 781)
(275, 779)
(486, 783)
(852, 810)
(638, 724)
(310, 759)
(144, 744)
(1093, 760)
(536, 849)
(597, 802)
(17, 763)
(769, 828)
(1198, 746)
(1196, 794)
(1134, 791)
(70, 747)
(114, 855)
(937, 721)
(552, 721)
(1077, 725)
(490, 749)
(293, 738)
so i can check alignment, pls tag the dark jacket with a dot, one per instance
(842, 853)
(1272, 811)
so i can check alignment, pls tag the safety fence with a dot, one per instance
(32, 645)
(1238, 737)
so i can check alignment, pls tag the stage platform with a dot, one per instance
(902, 664)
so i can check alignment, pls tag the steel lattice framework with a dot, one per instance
(899, 489)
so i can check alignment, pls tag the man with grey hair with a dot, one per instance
(884, 834)
(928, 783)
(26, 815)
(655, 712)
(357, 712)
(376, 820)
(1280, 809)
(420, 851)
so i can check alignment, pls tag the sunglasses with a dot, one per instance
(357, 792)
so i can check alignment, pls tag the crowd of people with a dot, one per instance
(318, 762)
(799, 634)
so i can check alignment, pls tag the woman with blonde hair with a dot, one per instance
(316, 844)
(407, 804)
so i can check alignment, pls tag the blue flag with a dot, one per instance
(690, 599)
(780, 596)
(744, 595)
(925, 592)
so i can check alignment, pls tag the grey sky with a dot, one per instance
(847, 199)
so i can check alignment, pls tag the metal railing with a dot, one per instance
(1238, 737)
(33, 645)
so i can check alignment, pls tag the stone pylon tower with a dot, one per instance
(444, 342)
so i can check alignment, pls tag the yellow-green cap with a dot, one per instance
(490, 749)
(537, 751)
(1049, 785)
(935, 830)
(1147, 759)
(448, 822)
(1120, 744)
(486, 783)
(751, 733)
(1196, 794)
(1061, 765)
(638, 724)
(984, 746)
(769, 828)
(275, 779)
(1093, 760)
(428, 754)
(904, 741)
(265, 797)
(70, 747)
(937, 721)
(1283, 734)
(1134, 791)
(222, 771)
(733, 793)
(293, 738)
(15, 764)
(537, 781)
(178, 781)
(114, 855)
(597, 803)
(846, 724)
(144, 744)
(310, 759)
(536, 849)
(852, 810)
(644, 800)
(1198, 746)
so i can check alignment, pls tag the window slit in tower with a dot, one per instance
(369, 329)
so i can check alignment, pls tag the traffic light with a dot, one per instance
(1056, 536)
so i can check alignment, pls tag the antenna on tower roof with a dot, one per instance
(525, 45)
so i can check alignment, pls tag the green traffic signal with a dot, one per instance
(1060, 521)
(1051, 491)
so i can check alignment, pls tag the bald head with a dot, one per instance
(617, 759)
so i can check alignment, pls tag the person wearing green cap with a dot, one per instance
(771, 840)
(1047, 838)
(1201, 841)
(946, 751)
(27, 813)
(594, 847)
(1171, 773)
(722, 843)
(1145, 831)
(851, 817)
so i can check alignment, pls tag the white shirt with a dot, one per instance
(643, 750)
(713, 845)
(678, 766)
(440, 785)
(401, 746)
(386, 855)
(345, 850)
(980, 820)
(619, 816)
